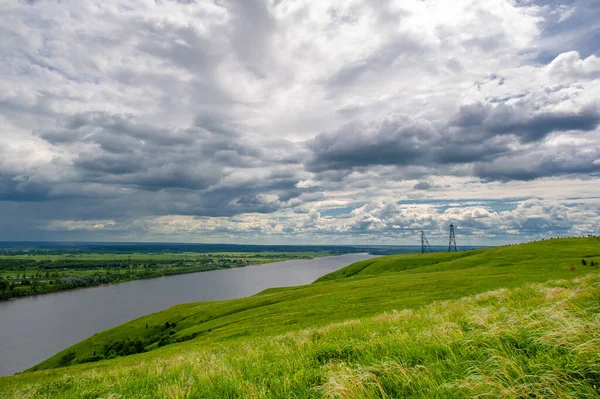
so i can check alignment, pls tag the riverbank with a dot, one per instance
(27, 275)
(34, 328)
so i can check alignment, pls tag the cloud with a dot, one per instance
(481, 135)
(570, 25)
(503, 119)
(569, 66)
(80, 225)
(397, 140)
(228, 120)
(425, 185)
(548, 160)
(396, 53)
(389, 221)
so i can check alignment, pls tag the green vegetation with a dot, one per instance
(38, 272)
(400, 326)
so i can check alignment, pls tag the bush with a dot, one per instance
(166, 340)
(90, 359)
(124, 348)
(66, 359)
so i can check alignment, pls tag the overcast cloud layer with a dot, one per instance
(290, 121)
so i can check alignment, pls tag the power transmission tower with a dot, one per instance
(424, 243)
(452, 242)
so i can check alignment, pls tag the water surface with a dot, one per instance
(34, 328)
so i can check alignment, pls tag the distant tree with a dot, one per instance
(35, 286)
(583, 262)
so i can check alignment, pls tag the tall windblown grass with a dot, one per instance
(538, 341)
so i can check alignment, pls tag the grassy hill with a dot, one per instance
(386, 327)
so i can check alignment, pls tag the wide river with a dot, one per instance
(34, 328)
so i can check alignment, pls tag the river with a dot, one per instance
(34, 328)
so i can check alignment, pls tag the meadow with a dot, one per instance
(514, 321)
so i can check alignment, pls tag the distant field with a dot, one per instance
(38, 268)
(158, 256)
(282, 343)
(38, 272)
(158, 248)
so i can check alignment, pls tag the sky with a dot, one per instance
(299, 122)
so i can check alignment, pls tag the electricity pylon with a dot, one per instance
(452, 242)
(425, 247)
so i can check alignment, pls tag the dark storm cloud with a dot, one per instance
(212, 168)
(501, 119)
(114, 133)
(541, 162)
(108, 163)
(422, 185)
(479, 134)
(399, 140)
(463, 149)
(425, 185)
(20, 188)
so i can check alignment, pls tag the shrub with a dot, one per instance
(164, 341)
(90, 359)
(66, 359)
(124, 348)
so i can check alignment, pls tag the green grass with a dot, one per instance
(396, 263)
(387, 327)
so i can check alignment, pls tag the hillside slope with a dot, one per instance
(538, 257)
(390, 283)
